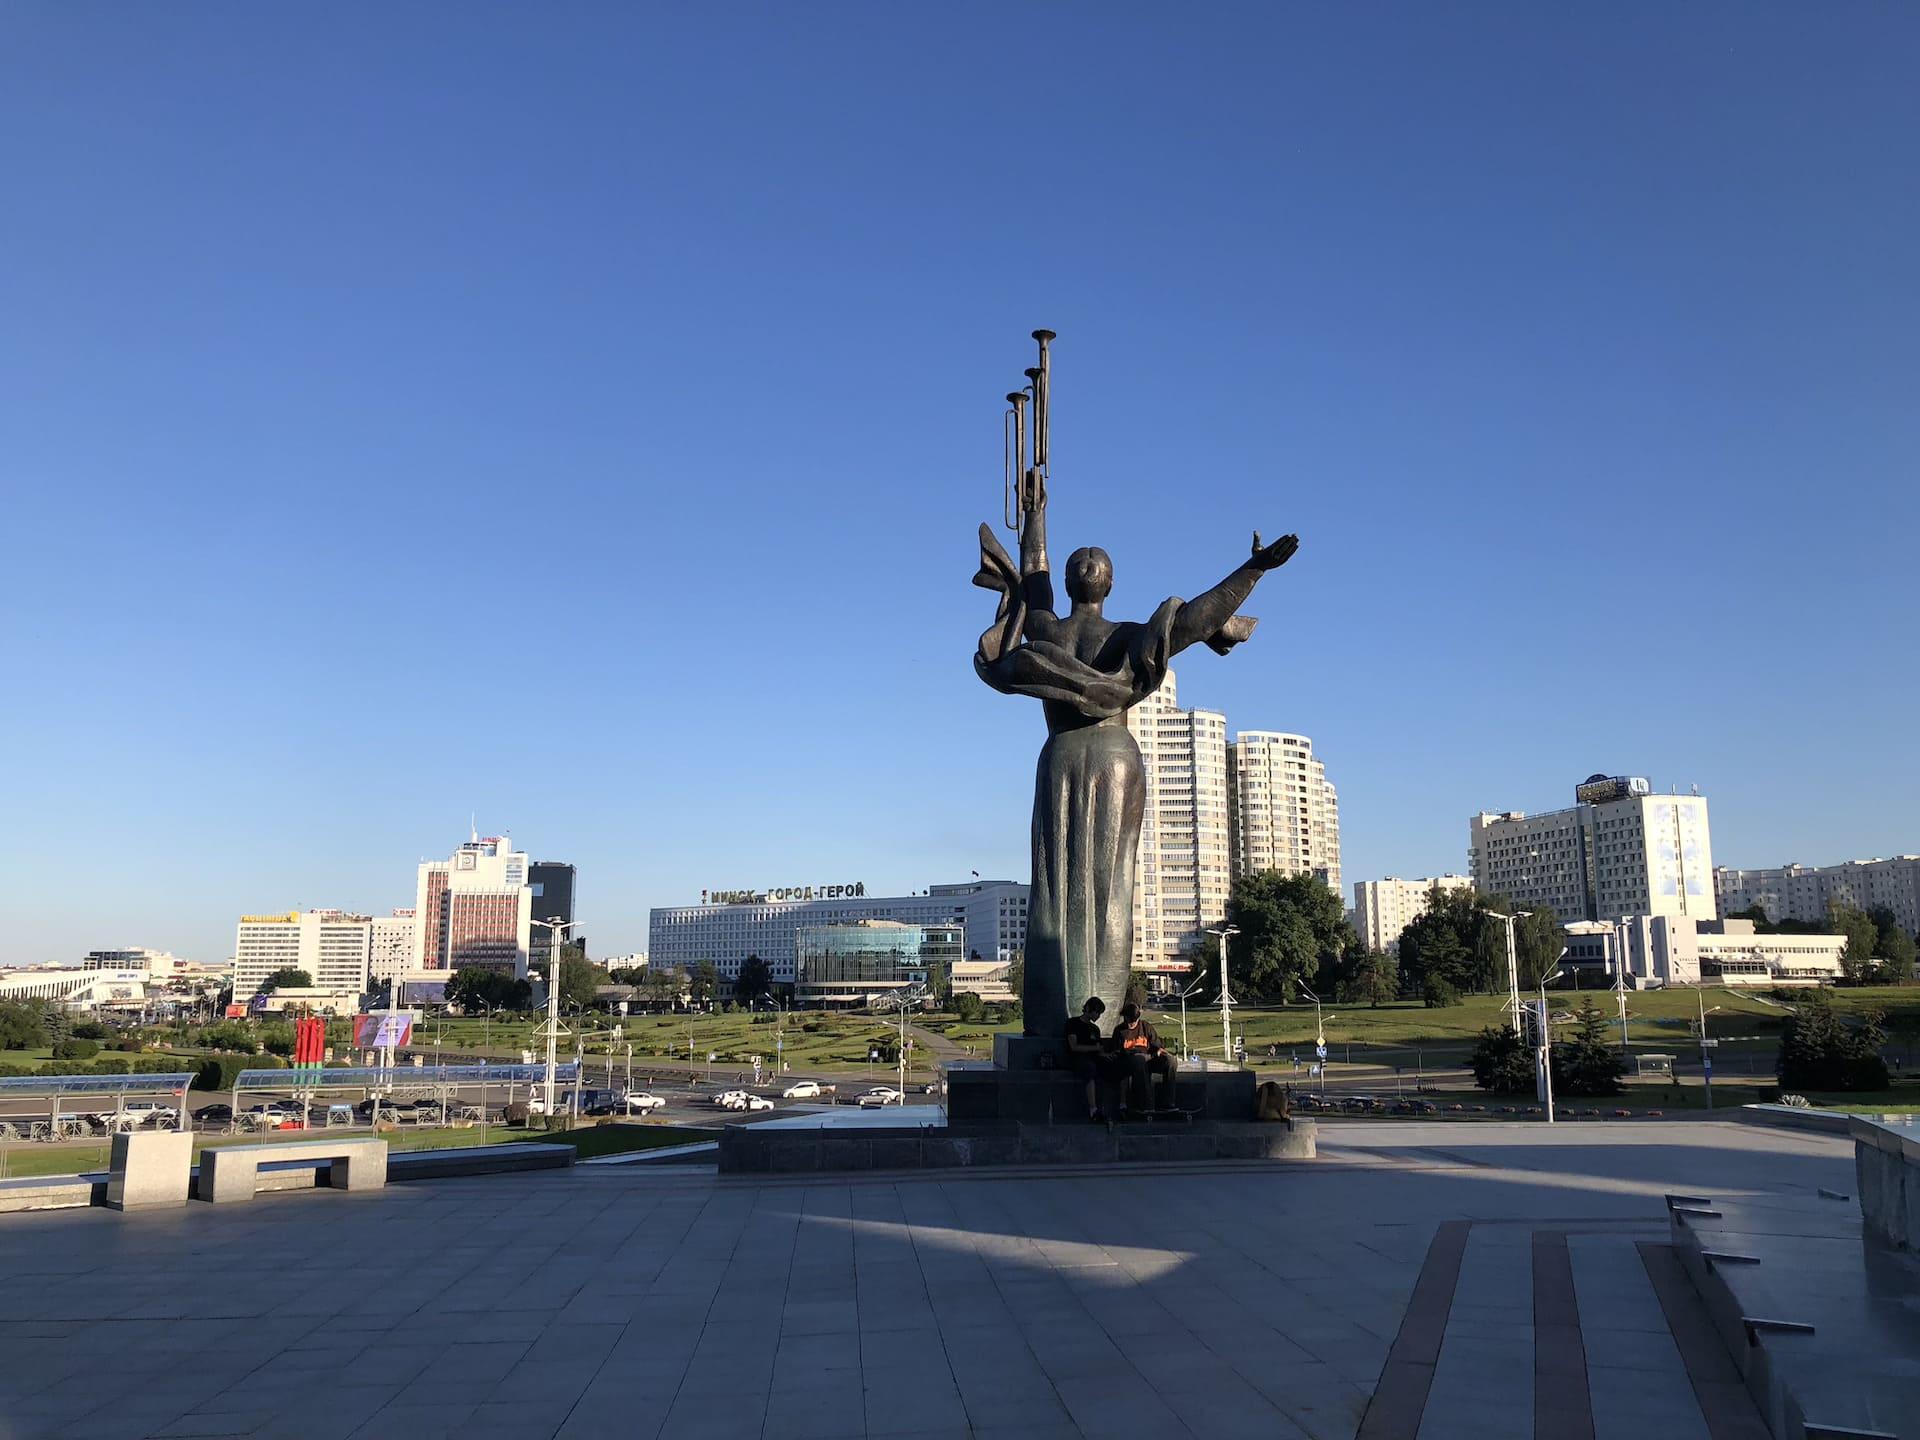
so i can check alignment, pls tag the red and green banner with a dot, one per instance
(309, 1043)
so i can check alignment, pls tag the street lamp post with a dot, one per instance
(1513, 964)
(1546, 1041)
(558, 927)
(1320, 1035)
(1226, 997)
(1706, 1057)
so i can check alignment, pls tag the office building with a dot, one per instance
(853, 964)
(1678, 950)
(475, 909)
(395, 942)
(729, 925)
(1184, 867)
(333, 947)
(1803, 892)
(1383, 908)
(553, 883)
(1284, 813)
(1620, 850)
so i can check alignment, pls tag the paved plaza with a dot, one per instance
(1421, 1280)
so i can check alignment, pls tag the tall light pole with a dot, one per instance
(1226, 996)
(1513, 963)
(1546, 1040)
(552, 1027)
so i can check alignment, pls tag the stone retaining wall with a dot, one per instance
(1886, 1162)
(770, 1149)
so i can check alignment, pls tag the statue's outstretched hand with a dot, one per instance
(1272, 557)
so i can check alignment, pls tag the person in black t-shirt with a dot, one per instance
(1087, 1052)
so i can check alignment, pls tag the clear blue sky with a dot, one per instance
(579, 415)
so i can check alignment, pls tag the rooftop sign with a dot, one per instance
(785, 895)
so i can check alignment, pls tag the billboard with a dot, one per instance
(382, 1032)
(1599, 789)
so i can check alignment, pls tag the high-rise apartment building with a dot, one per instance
(476, 909)
(1619, 851)
(1284, 813)
(1383, 908)
(1185, 863)
(333, 947)
(1803, 892)
(1216, 810)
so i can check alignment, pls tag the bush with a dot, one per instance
(1438, 991)
(218, 1072)
(76, 1050)
(1586, 1063)
(89, 1030)
(1819, 1051)
(1501, 1062)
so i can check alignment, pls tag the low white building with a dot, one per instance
(1383, 908)
(77, 989)
(1659, 950)
(986, 978)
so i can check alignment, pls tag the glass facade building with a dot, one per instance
(850, 965)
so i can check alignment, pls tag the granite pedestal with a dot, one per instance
(1030, 1081)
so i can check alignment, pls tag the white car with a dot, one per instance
(731, 1099)
(643, 1102)
(802, 1090)
(758, 1102)
(878, 1096)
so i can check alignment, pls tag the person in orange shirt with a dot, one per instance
(1142, 1057)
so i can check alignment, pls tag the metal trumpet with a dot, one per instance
(1025, 487)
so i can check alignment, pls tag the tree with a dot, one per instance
(1894, 947)
(703, 981)
(1501, 1062)
(234, 1035)
(1862, 935)
(1586, 1062)
(1017, 977)
(1758, 915)
(580, 978)
(634, 975)
(76, 1049)
(754, 980)
(285, 978)
(22, 1026)
(473, 988)
(1819, 1051)
(1292, 928)
(1370, 977)
(1453, 943)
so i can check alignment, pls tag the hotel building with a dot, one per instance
(475, 909)
(1619, 851)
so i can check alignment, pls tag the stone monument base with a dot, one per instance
(772, 1149)
(1020, 1086)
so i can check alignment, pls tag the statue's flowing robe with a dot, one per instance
(1089, 795)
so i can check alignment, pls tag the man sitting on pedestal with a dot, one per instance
(1087, 1053)
(1142, 1057)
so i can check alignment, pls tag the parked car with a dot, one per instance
(878, 1096)
(209, 1115)
(802, 1090)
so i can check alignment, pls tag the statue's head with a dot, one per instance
(1089, 575)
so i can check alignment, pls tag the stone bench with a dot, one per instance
(232, 1172)
(148, 1169)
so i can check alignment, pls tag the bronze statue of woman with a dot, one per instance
(1090, 793)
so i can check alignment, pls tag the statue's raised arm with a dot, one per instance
(1214, 616)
